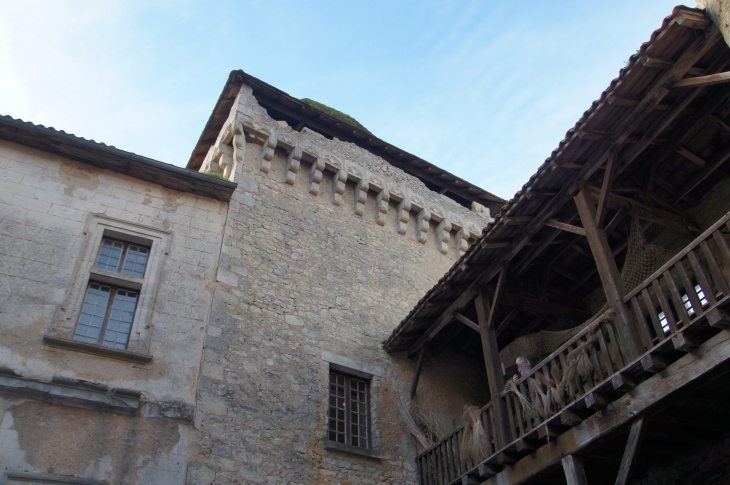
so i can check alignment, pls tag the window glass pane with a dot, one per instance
(109, 255)
(92, 314)
(135, 261)
(120, 319)
(688, 305)
(701, 295)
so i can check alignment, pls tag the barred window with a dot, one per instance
(349, 410)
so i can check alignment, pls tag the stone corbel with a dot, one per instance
(315, 175)
(404, 209)
(339, 181)
(267, 154)
(292, 165)
(462, 235)
(381, 200)
(360, 177)
(239, 148)
(443, 230)
(422, 219)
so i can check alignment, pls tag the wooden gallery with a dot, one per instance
(232, 322)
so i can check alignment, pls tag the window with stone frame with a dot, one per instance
(108, 306)
(108, 309)
(348, 414)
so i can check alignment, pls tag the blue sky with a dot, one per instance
(483, 89)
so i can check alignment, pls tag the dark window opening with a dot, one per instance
(349, 410)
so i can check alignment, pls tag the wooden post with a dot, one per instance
(631, 446)
(574, 472)
(610, 276)
(419, 366)
(485, 316)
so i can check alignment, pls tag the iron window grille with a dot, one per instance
(108, 308)
(349, 410)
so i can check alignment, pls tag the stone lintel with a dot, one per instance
(351, 365)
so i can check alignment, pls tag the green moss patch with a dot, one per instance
(334, 113)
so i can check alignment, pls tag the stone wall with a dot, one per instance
(326, 248)
(48, 206)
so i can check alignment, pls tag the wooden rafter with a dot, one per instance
(695, 82)
(699, 47)
(565, 227)
(718, 160)
(606, 187)
(466, 321)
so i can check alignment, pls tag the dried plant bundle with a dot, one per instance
(474, 443)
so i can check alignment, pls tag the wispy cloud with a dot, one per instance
(483, 89)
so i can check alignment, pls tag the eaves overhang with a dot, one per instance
(110, 158)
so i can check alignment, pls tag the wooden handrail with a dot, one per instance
(702, 237)
(442, 440)
(589, 328)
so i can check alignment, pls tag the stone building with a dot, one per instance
(275, 312)
(253, 286)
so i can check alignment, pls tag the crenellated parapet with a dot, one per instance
(429, 215)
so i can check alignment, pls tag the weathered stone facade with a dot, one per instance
(305, 271)
(321, 250)
(48, 205)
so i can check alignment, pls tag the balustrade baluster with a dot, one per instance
(653, 315)
(605, 356)
(715, 270)
(722, 245)
(701, 276)
(664, 304)
(689, 288)
(676, 298)
(645, 333)
(615, 347)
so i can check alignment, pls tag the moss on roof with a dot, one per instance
(334, 113)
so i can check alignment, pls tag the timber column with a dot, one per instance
(627, 329)
(495, 377)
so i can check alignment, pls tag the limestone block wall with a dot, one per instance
(326, 248)
(46, 205)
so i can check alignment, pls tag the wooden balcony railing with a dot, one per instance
(565, 376)
(689, 287)
(443, 463)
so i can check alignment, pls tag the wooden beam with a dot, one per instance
(632, 121)
(493, 364)
(501, 282)
(417, 375)
(719, 123)
(632, 445)
(626, 326)
(700, 177)
(691, 157)
(589, 274)
(657, 63)
(535, 252)
(693, 19)
(689, 369)
(606, 187)
(565, 227)
(466, 321)
(617, 218)
(699, 81)
(574, 472)
(507, 320)
(516, 220)
(614, 100)
(539, 194)
(553, 309)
